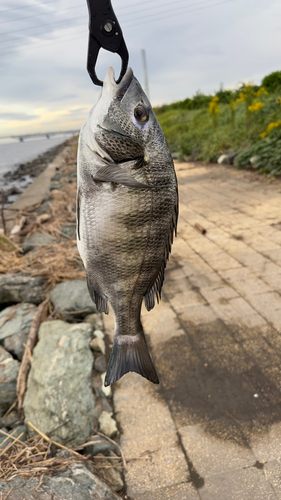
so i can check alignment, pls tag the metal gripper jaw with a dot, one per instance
(105, 32)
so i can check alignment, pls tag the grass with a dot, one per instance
(192, 130)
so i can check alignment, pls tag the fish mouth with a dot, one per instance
(118, 89)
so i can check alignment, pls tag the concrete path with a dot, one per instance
(212, 429)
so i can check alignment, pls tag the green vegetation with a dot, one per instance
(247, 120)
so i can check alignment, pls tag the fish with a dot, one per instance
(127, 212)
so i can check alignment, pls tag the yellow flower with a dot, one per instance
(215, 99)
(279, 100)
(232, 104)
(272, 126)
(256, 106)
(263, 135)
(241, 97)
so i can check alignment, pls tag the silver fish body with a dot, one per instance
(127, 207)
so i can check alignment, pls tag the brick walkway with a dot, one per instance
(212, 429)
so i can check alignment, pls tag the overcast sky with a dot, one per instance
(190, 45)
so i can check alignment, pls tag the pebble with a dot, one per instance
(106, 390)
(107, 424)
(100, 363)
(98, 345)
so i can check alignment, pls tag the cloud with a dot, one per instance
(43, 53)
(17, 116)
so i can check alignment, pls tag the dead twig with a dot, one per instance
(117, 445)
(200, 228)
(10, 491)
(25, 364)
(11, 408)
(53, 442)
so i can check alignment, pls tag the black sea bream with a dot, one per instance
(127, 209)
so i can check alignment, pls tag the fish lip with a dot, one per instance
(118, 89)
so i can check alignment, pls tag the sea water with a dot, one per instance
(13, 152)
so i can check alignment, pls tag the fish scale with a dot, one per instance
(127, 206)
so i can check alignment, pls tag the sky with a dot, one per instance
(190, 45)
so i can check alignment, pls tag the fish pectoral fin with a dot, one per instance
(130, 355)
(115, 173)
(100, 300)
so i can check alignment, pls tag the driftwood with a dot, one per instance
(26, 360)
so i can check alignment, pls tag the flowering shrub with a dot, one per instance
(256, 106)
(214, 110)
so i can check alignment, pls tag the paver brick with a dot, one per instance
(238, 484)
(210, 455)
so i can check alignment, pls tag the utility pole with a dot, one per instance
(144, 67)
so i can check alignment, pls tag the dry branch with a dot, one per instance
(25, 364)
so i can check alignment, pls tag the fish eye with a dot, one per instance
(141, 113)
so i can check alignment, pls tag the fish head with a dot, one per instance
(123, 123)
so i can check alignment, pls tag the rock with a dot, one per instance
(4, 440)
(113, 478)
(38, 240)
(107, 424)
(106, 390)
(22, 288)
(44, 207)
(231, 157)
(55, 185)
(59, 384)
(69, 230)
(254, 161)
(9, 369)
(227, 159)
(10, 421)
(100, 363)
(109, 474)
(101, 445)
(222, 160)
(95, 320)
(72, 296)
(101, 401)
(14, 333)
(97, 344)
(99, 334)
(76, 483)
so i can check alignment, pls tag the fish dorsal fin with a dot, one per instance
(156, 287)
(116, 173)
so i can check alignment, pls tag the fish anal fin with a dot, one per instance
(156, 287)
(99, 299)
(130, 354)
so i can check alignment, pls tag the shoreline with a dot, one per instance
(14, 183)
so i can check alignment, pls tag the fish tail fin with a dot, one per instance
(130, 354)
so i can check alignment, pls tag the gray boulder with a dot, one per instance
(9, 369)
(77, 483)
(14, 332)
(59, 383)
(22, 288)
(72, 296)
(38, 240)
